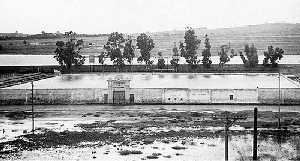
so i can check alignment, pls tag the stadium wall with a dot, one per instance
(288, 96)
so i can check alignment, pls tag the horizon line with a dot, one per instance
(167, 30)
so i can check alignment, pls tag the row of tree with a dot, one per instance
(121, 50)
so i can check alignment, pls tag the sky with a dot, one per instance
(135, 16)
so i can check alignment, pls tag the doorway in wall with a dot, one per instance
(231, 97)
(105, 98)
(131, 98)
(119, 97)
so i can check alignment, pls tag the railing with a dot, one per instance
(20, 79)
(7, 75)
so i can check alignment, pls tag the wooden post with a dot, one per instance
(32, 114)
(226, 138)
(279, 101)
(255, 136)
(226, 143)
(228, 121)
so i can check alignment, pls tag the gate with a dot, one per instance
(105, 98)
(131, 98)
(119, 97)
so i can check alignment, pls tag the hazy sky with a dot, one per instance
(104, 16)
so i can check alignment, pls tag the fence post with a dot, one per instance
(255, 135)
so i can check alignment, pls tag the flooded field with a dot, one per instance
(165, 80)
(161, 132)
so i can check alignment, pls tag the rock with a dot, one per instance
(167, 156)
(156, 154)
(211, 145)
(149, 140)
(152, 157)
(183, 142)
(196, 114)
(165, 141)
(127, 152)
(178, 147)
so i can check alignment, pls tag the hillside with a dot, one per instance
(283, 35)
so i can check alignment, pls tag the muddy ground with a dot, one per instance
(136, 134)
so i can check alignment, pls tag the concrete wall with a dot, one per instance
(271, 96)
(147, 95)
(53, 96)
(153, 96)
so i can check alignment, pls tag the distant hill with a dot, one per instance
(283, 35)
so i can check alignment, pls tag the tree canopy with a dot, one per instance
(101, 58)
(272, 56)
(206, 53)
(189, 48)
(251, 59)
(224, 58)
(128, 53)
(113, 48)
(175, 58)
(161, 61)
(67, 53)
(145, 44)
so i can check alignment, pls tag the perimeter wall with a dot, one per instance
(153, 96)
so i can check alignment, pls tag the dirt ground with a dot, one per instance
(142, 133)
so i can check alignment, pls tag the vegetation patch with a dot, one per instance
(127, 152)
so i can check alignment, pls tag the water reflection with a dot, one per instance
(207, 76)
(175, 76)
(69, 77)
(191, 76)
(165, 80)
(148, 76)
(161, 76)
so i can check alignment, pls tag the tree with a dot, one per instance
(145, 44)
(25, 42)
(272, 56)
(113, 48)
(182, 49)
(175, 58)
(161, 61)
(190, 46)
(223, 56)
(232, 53)
(251, 59)
(128, 53)
(101, 58)
(206, 53)
(67, 54)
